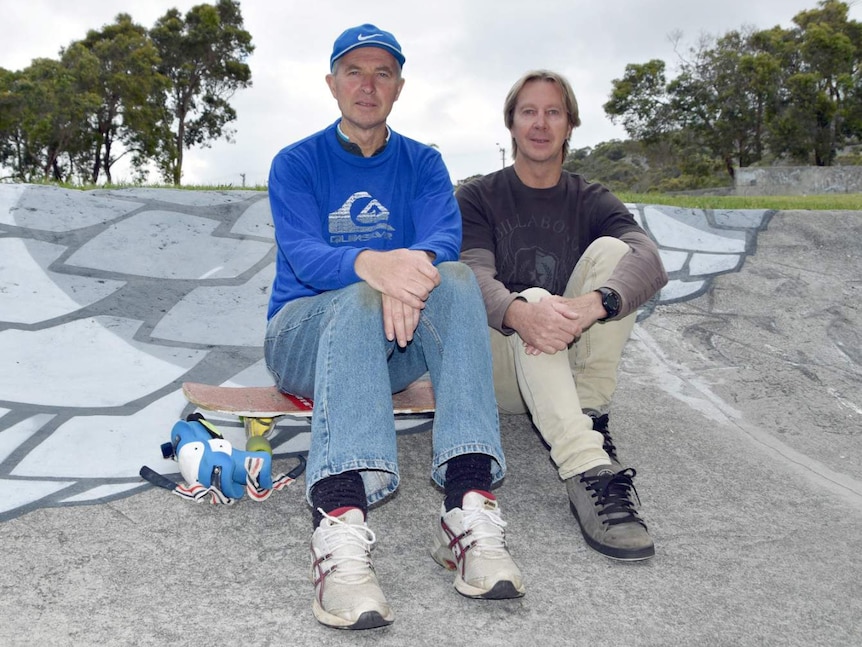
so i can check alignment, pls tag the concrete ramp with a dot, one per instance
(739, 404)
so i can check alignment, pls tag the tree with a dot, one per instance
(790, 93)
(819, 109)
(45, 109)
(203, 54)
(620, 166)
(128, 84)
(720, 98)
(644, 167)
(640, 101)
(12, 144)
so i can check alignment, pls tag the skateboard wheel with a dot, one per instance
(258, 444)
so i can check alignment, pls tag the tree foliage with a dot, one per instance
(641, 101)
(129, 87)
(203, 54)
(125, 91)
(642, 167)
(752, 96)
(43, 109)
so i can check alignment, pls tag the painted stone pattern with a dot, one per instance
(110, 299)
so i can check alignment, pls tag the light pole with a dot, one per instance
(502, 154)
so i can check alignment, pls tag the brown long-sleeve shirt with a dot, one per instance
(517, 237)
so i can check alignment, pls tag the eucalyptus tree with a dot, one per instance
(44, 113)
(641, 102)
(721, 97)
(819, 110)
(784, 93)
(203, 55)
(129, 87)
(12, 141)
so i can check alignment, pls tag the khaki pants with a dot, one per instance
(555, 389)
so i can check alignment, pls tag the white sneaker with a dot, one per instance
(471, 540)
(346, 592)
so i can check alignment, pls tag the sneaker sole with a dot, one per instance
(366, 620)
(620, 554)
(502, 590)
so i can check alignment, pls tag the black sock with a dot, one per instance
(464, 473)
(345, 490)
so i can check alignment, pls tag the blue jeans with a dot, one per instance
(331, 347)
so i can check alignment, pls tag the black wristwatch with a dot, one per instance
(611, 302)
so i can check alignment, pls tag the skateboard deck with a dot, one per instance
(259, 407)
(269, 402)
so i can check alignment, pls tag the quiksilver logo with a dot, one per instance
(360, 217)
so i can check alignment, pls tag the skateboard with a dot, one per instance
(259, 407)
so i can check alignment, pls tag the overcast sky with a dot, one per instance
(462, 58)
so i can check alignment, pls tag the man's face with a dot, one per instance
(540, 125)
(366, 84)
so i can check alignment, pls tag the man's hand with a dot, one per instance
(403, 274)
(399, 320)
(405, 278)
(552, 324)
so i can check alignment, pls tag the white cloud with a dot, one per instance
(462, 57)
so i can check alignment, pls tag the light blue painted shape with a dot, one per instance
(49, 208)
(102, 492)
(91, 362)
(677, 290)
(672, 260)
(256, 221)
(168, 245)
(220, 315)
(30, 294)
(21, 493)
(15, 436)
(688, 229)
(105, 447)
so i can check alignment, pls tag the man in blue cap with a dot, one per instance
(369, 296)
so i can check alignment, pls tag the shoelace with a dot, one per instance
(486, 528)
(612, 493)
(358, 539)
(600, 424)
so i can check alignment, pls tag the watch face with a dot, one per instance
(611, 302)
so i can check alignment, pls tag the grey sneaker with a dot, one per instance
(601, 500)
(471, 541)
(346, 592)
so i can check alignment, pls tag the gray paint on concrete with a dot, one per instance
(139, 290)
(698, 245)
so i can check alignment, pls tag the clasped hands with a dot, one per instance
(405, 279)
(552, 324)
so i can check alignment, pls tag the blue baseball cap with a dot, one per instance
(365, 36)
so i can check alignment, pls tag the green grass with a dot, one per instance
(828, 202)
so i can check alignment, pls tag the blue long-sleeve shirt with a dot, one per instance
(328, 205)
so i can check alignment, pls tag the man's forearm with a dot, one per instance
(496, 296)
(639, 274)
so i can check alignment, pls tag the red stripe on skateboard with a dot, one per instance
(303, 404)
